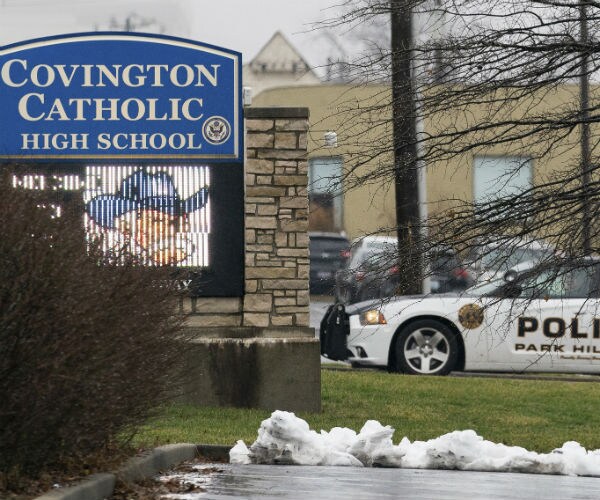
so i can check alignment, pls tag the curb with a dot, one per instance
(101, 486)
(528, 376)
(96, 487)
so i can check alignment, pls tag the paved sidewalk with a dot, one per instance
(346, 483)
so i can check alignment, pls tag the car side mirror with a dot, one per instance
(512, 290)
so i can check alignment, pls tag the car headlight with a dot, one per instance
(372, 317)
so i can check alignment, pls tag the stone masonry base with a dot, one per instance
(249, 367)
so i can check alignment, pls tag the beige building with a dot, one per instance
(359, 118)
(355, 211)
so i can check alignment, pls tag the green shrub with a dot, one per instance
(86, 350)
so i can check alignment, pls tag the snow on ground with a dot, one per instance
(286, 439)
(330, 362)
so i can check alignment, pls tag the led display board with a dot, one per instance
(188, 217)
(147, 132)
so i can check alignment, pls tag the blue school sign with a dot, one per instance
(119, 96)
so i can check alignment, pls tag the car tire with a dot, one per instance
(426, 347)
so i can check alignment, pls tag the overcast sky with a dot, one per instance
(241, 25)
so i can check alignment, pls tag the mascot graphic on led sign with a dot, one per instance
(149, 212)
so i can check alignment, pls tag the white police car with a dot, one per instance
(542, 320)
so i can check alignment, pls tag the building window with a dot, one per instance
(496, 177)
(325, 194)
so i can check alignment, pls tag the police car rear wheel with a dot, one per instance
(426, 347)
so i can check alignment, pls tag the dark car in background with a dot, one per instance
(328, 253)
(447, 272)
(381, 275)
(367, 255)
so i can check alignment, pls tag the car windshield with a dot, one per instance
(372, 256)
(487, 288)
(381, 245)
(508, 257)
(378, 255)
(565, 282)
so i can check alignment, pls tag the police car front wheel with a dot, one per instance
(426, 347)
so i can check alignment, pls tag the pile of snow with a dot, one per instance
(286, 439)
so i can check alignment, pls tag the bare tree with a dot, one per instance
(485, 73)
(87, 351)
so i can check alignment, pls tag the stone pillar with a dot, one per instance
(259, 351)
(277, 265)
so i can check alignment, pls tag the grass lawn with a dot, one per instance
(537, 414)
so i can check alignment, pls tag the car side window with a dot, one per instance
(562, 284)
(594, 283)
(577, 284)
(581, 282)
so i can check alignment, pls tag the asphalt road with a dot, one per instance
(226, 481)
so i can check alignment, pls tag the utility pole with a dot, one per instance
(406, 171)
(584, 103)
